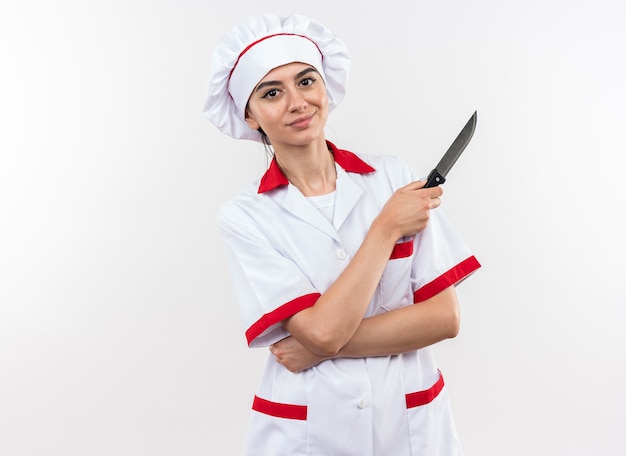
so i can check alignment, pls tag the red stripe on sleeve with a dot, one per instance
(448, 278)
(402, 250)
(278, 315)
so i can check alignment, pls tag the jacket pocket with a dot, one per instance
(431, 428)
(276, 429)
(287, 411)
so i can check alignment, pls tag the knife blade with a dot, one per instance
(438, 175)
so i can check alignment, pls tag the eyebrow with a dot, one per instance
(278, 83)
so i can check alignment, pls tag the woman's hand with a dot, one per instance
(294, 356)
(407, 212)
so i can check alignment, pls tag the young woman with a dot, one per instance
(342, 264)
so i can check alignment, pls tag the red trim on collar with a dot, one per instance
(349, 161)
(272, 178)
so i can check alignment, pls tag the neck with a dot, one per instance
(310, 168)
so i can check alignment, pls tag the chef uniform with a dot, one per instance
(284, 250)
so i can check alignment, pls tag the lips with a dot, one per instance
(302, 122)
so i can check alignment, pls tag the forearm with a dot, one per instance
(406, 329)
(398, 331)
(328, 325)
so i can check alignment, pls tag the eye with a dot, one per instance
(272, 93)
(307, 81)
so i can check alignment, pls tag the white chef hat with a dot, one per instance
(255, 47)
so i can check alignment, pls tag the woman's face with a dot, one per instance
(290, 105)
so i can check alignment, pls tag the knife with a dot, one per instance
(438, 175)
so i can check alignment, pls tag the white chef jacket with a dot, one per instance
(283, 253)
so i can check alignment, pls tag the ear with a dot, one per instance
(251, 122)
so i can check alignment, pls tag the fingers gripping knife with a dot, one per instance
(438, 175)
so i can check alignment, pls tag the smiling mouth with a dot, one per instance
(301, 122)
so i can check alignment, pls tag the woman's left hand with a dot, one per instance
(292, 354)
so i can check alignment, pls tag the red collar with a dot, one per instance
(274, 177)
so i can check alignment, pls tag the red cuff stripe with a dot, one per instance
(420, 398)
(278, 315)
(402, 250)
(289, 411)
(448, 278)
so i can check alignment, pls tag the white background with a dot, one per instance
(118, 331)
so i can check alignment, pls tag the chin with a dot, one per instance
(302, 138)
(309, 140)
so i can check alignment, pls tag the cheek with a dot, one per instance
(269, 117)
(324, 100)
(258, 117)
(324, 104)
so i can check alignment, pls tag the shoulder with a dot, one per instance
(386, 161)
(242, 208)
(389, 167)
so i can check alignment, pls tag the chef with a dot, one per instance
(343, 264)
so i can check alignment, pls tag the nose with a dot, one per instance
(296, 101)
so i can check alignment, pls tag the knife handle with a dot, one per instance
(434, 179)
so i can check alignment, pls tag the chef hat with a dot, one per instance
(255, 47)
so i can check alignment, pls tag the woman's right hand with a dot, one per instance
(294, 356)
(407, 212)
